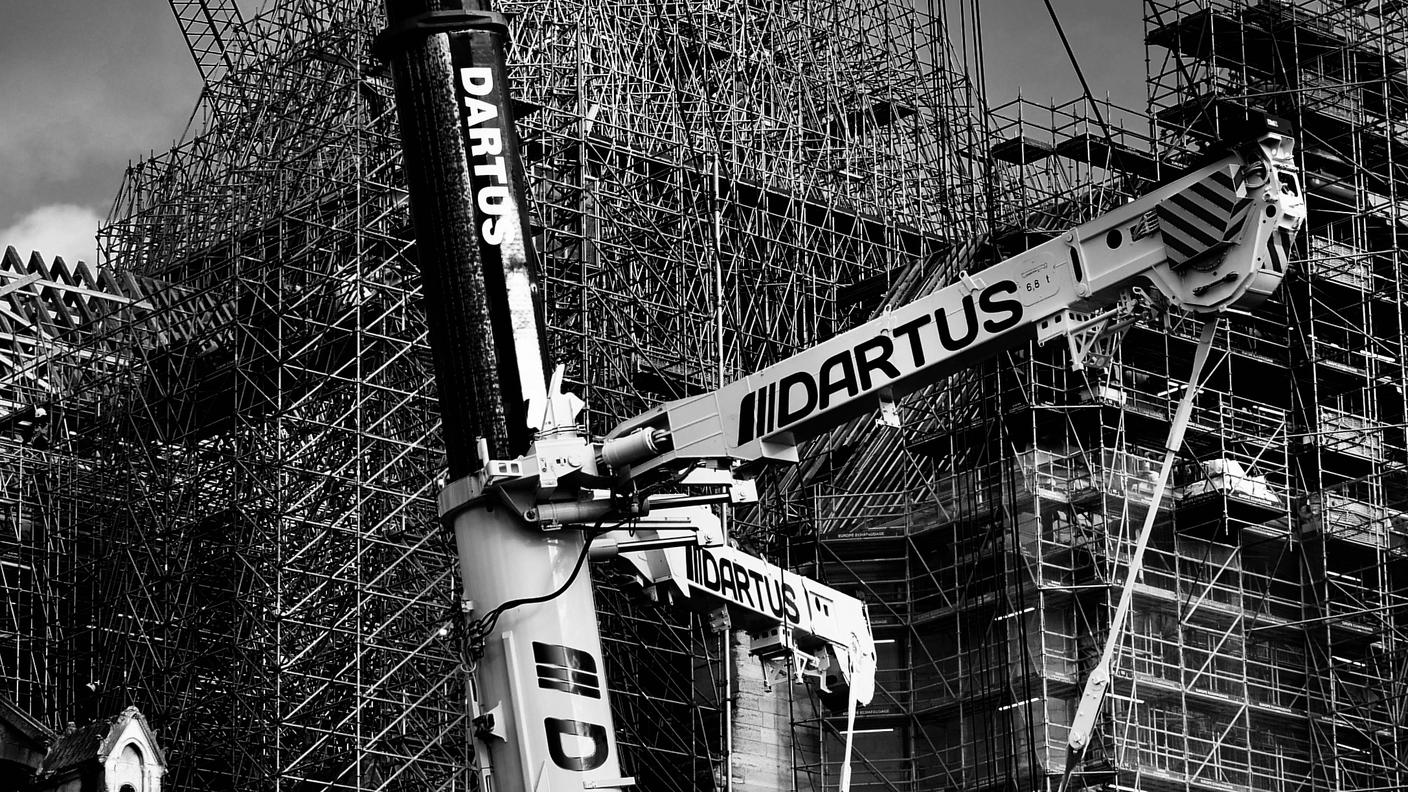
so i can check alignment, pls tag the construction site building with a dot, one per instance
(235, 526)
(220, 447)
(1266, 646)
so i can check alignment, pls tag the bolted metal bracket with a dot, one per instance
(1093, 339)
(490, 724)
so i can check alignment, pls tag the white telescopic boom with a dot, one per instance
(1214, 239)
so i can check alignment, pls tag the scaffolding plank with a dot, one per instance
(1021, 150)
(1093, 149)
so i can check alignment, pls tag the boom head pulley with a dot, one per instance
(1228, 233)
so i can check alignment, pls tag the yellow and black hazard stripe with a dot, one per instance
(1203, 217)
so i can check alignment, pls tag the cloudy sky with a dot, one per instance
(87, 86)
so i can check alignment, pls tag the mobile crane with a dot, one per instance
(531, 497)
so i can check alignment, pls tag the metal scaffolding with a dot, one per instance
(238, 527)
(992, 532)
(220, 449)
(1337, 71)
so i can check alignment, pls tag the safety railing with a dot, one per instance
(1339, 262)
(1350, 433)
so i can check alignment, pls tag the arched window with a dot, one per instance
(129, 769)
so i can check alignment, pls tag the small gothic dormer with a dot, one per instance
(119, 754)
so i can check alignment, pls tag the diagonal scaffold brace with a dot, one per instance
(1093, 695)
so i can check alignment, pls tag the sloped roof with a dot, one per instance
(78, 746)
(24, 723)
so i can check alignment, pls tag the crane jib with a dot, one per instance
(879, 360)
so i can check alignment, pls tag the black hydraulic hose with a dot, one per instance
(485, 626)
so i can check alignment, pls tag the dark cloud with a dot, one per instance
(85, 87)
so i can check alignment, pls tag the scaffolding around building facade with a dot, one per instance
(220, 448)
(245, 523)
(1265, 650)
